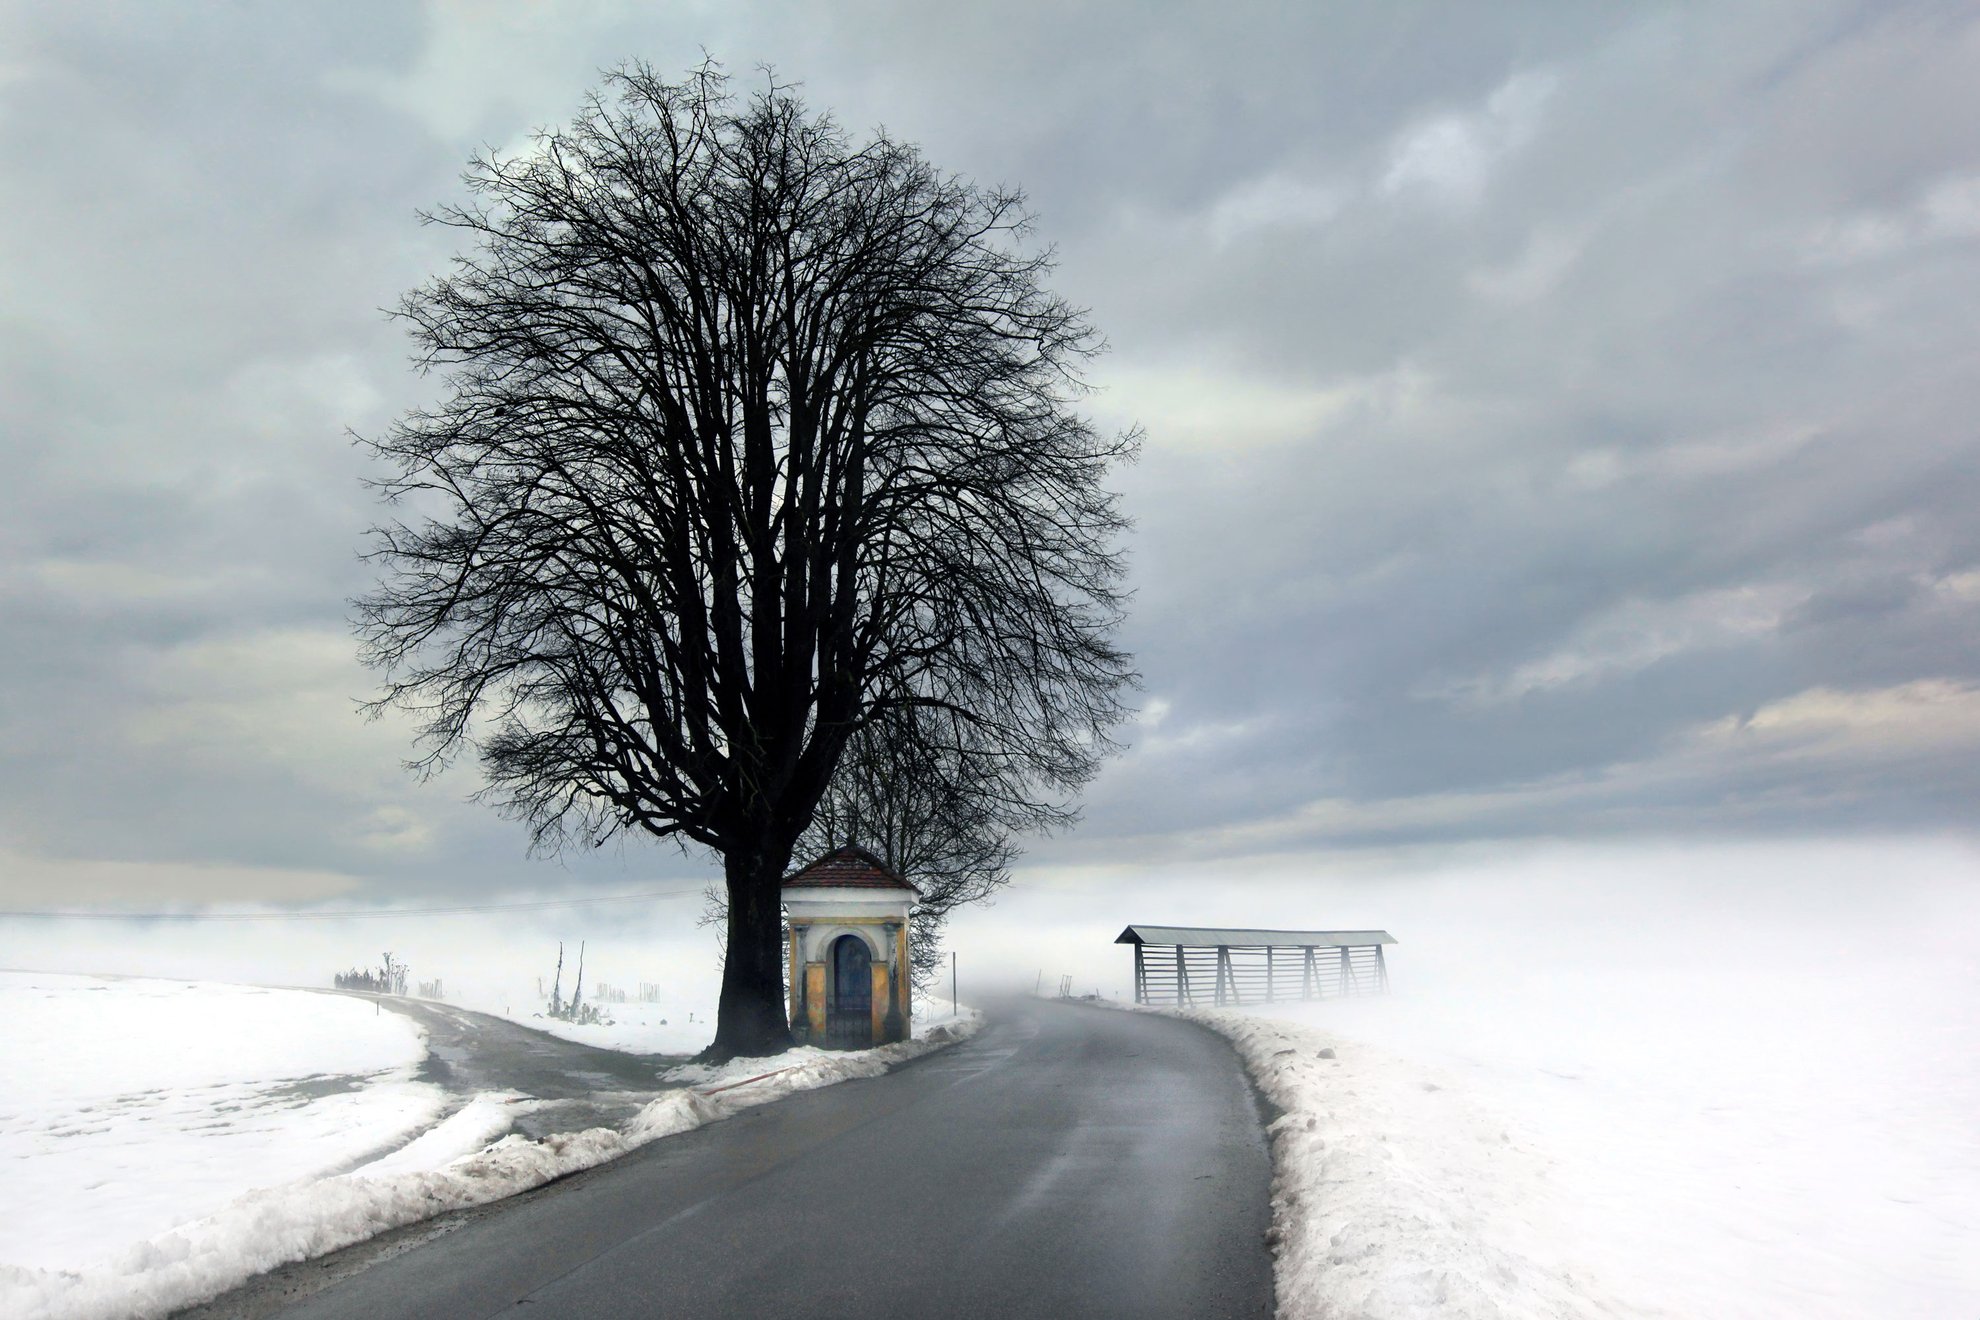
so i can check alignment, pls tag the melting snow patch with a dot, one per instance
(744, 1083)
(468, 1129)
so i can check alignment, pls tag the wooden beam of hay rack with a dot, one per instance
(1209, 965)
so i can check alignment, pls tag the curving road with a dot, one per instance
(1068, 1161)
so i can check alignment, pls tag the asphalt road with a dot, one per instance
(1068, 1161)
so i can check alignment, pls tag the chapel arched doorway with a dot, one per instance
(849, 1012)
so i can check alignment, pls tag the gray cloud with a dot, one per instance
(1559, 417)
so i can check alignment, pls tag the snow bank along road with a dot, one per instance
(1066, 1161)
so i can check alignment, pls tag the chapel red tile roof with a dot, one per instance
(849, 867)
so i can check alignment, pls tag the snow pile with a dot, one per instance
(744, 1083)
(446, 1169)
(1395, 1195)
(468, 1129)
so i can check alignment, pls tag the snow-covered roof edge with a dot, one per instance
(1220, 936)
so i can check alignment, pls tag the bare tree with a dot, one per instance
(912, 788)
(909, 789)
(752, 437)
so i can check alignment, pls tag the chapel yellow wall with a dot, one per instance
(879, 1003)
(814, 999)
(808, 1000)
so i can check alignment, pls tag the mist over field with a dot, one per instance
(1876, 930)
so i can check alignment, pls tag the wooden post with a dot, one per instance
(1271, 985)
(1345, 981)
(1183, 995)
(1223, 973)
(1140, 977)
(1309, 977)
(1382, 969)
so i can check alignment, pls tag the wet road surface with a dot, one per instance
(1068, 1161)
(580, 1086)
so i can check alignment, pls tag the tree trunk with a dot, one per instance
(750, 1020)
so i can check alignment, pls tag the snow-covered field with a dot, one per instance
(675, 1027)
(130, 1106)
(1616, 1141)
(164, 1141)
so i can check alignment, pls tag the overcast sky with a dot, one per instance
(1561, 418)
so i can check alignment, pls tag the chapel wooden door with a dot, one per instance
(849, 1010)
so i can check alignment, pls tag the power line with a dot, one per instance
(346, 914)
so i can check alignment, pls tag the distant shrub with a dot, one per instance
(387, 980)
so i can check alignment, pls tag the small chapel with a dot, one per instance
(849, 983)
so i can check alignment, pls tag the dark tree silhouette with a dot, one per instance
(752, 436)
(913, 788)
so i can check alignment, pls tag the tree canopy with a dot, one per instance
(753, 437)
